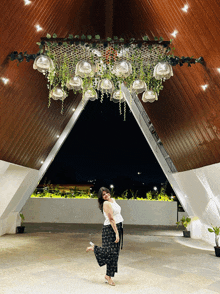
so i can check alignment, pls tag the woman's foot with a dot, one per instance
(90, 248)
(109, 279)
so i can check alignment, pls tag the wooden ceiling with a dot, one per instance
(186, 118)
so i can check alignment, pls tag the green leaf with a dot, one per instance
(210, 230)
(160, 39)
(155, 39)
(48, 44)
(70, 36)
(97, 37)
(149, 47)
(132, 39)
(54, 36)
(115, 38)
(109, 39)
(83, 37)
(89, 37)
(41, 51)
(121, 40)
(38, 43)
(41, 46)
(65, 44)
(145, 38)
(76, 36)
(48, 36)
(171, 40)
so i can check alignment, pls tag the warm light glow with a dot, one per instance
(41, 162)
(4, 80)
(74, 109)
(139, 173)
(111, 186)
(218, 69)
(174, 33)
(38, 28)
(204, 87)
(155, 188)
(27, 2)
(58, 136)
(185, 8)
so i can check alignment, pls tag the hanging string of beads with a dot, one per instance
(124, 110)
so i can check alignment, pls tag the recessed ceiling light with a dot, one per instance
(58, 136)
(27, 2)
(4, 80)
(218, 69)
(204, 87)
(74, 109)
(174, 33)
(41, 162)
(185, 8)
(39, 28)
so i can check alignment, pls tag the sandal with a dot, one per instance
(109, 282)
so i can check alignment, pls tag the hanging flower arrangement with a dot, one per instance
(87, 66)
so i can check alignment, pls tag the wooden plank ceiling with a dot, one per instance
(186, 118)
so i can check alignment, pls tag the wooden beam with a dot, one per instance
(108, 18)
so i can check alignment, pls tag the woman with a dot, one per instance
(112, 233)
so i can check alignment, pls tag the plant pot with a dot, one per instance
(20, 229)
(186, 234)
(217, 251)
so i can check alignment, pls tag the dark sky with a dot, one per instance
(102, 145)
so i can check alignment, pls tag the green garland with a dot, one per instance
(61, 73)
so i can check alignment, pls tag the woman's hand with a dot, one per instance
(117, 238)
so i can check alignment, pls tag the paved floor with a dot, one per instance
(51, 258)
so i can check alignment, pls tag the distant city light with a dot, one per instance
(39, 28)
(4, 80)
(174, 33)
(204, 87)
(185, 8)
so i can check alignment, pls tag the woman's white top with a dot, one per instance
(116, 213)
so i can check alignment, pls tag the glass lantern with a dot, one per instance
(57, 93)
(122, 68)
(74, 83)
(139, 86)
(149, 96)
(91, 94)
(85, 68)
(163, 70)
(117, 96)
(43, 63)
(106, 85)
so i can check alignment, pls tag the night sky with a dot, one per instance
(104, 147)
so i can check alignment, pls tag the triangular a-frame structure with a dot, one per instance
(186, 116)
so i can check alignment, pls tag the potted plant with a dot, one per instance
(20, 229)
(216, 230)
(185, 222)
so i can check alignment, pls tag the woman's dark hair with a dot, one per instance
(100, 199)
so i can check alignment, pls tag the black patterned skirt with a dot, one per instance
(109, 252)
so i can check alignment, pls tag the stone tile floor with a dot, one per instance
(51, 258)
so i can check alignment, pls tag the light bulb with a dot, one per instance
(204, 87)
(4, 80)
(185, 8)
(39, 28)
(27, 2)
(174, 33)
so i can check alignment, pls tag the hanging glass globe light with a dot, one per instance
(117, 96)
(57, 93)
(106, 84)
(91, 94)
(163, 70)
(149, 96)
(85, 68)
(122, 68)
(43, 63)
(74, 83)
(139, 86)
